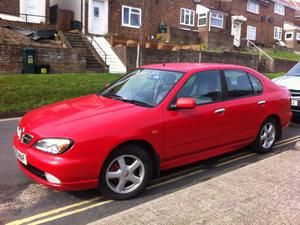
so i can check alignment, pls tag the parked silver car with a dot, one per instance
(291, 80)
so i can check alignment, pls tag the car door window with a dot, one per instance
(238, 83)
(204, 87)
(256, 84)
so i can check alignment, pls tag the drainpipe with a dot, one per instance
(81, 15)
(139, 57)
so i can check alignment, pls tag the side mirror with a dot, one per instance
(185, 103)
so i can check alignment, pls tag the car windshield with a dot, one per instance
(144, 87)
(295, 71)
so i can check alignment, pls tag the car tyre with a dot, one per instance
(266, 137)
(126, 173)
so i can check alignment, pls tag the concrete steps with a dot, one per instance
(77, 41)
(111, 59)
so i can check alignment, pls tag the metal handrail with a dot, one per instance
(260, 50)
(92, 39)
(31, 15)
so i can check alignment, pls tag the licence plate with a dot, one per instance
(294, 103)
(20, 156)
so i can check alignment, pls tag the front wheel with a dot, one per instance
(266, 137)
(125, 173)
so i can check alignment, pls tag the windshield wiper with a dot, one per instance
(132, 101)
(113, 96)
(136, 102)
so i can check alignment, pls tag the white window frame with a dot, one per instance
(276, 29)
(249, 36)
(298, 36)
(201, 16)
(250, 4)
(291, 38)
(130, 12)
(279, 9)
(217, 16)
(191, 15)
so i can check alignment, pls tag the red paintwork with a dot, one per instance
(98, 125)
(185, 103)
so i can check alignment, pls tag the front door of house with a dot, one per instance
(98, 17)
(236, 32)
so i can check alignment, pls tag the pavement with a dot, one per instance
(266, 192)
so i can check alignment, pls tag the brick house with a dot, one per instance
(29, 11)
(261, 21)
(125, 17)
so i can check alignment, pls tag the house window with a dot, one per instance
(187, 17)
(131, 17)
(278, 33)
(202, 19)
(253, 6)
(217, 20)
(279, 9)
(251, 33)
(298, 36)
(289, 36)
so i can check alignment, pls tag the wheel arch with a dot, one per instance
(148, 147)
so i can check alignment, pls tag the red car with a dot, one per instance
(155, 118)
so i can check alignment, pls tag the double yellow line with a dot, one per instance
(99, 201)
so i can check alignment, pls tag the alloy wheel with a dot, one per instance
(268, 135)
(125, 174)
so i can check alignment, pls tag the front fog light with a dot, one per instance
(52, 179)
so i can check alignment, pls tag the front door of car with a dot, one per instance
(189, 131)
(245, 105)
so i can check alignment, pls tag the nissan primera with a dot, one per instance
(155, 118)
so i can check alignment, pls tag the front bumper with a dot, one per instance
(72, 173)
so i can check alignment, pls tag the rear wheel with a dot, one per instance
(126, 173)
(266, 137)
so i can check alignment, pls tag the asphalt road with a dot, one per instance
(24, 202)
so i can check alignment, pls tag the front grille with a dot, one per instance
(35, 171)
(295, 93)
(26, 139)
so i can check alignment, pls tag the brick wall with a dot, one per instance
(61, 60)
(11, 7)
(152, 56)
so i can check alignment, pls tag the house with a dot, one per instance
(26, 11)
(260, 21)
(125, 17)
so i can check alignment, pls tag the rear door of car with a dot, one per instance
(189, 131)
(245, 105)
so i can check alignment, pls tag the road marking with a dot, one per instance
(286, 143)
(10, 119)
(175, 179)
(70, 213)
(162, 181)
(48, 213)
(235, 159)
(288, 139)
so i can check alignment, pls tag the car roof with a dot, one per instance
(186, 67)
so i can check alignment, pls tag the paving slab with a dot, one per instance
(263, 193)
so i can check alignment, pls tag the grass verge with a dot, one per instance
(26, 92)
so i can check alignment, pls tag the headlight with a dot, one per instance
(54, 145)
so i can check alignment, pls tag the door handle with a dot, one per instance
(219, 111)
(263, 102)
